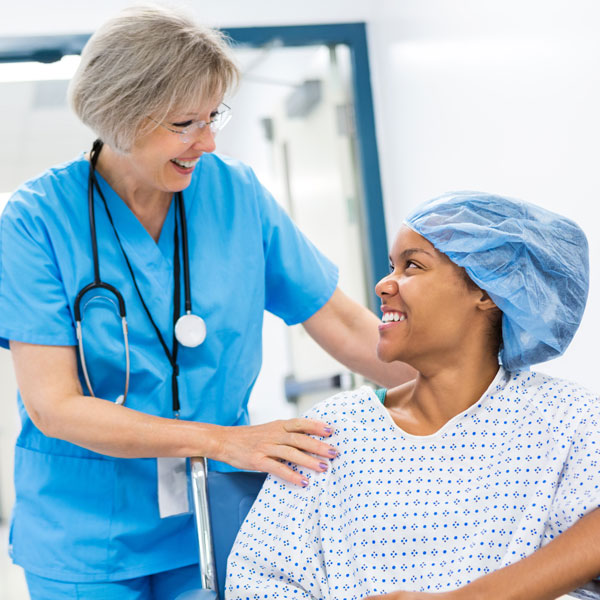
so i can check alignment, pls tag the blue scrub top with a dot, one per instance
(83, 516)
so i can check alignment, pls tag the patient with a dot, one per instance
(480, 479)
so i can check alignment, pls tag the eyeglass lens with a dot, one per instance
(218, 121)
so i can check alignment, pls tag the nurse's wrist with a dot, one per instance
(208, 440)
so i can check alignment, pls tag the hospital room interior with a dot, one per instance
(351, 113)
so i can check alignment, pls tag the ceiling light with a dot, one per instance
(35, 71)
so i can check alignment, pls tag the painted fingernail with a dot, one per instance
(304, 482)
(323, 466)
(328, 429)
(332, 452)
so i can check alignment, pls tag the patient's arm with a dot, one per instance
(567, 562)
(276, 553)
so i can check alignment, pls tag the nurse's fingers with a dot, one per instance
(310, 426)
(305, 443)
(298, 435)
(291, 454)
(263, 447)
(283, 471)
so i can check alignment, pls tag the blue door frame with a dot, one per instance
(52, 48)
(354, 36)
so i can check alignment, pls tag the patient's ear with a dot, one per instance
(485, 302)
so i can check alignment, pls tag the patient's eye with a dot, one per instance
(182, 125)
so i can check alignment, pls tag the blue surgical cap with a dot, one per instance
(533, 264)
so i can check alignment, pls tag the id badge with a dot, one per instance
(172, 480)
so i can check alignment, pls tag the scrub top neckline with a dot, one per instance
(501, 375)
(133, 234)
(126, 219)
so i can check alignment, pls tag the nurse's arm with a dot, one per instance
(566, 563)
(348, 331)
(51, 391)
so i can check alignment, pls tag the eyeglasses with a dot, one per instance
(187, 129)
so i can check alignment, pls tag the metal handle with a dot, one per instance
(590, 591)
(208, 573)
(295, 388)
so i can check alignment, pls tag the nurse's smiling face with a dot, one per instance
(428, 309)
(162, 161)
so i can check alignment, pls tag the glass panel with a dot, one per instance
(38, 129)
(294, 123)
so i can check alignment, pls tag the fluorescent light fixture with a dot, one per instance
(35, 71)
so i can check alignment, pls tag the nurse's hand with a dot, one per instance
(267, 447)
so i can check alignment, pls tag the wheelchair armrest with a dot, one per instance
(589, 591)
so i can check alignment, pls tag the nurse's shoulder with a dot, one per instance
(59, 189)
(230, 192)
(225, 171)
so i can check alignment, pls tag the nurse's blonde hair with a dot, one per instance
(149, 60)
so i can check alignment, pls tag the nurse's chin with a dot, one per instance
(179, 186)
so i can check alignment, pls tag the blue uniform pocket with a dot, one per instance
(62, 517)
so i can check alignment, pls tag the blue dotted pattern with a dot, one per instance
(425, 513)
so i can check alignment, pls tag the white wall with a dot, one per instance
(494, 96)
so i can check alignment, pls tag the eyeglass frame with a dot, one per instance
(216, 124)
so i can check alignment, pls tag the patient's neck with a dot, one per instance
(440, 392)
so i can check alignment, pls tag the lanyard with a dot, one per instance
(170, 354)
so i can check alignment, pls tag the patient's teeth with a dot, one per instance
(390, 317)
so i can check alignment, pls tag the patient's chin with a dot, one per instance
(386, 355)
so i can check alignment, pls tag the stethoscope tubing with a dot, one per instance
(97, 283)
(121, 399)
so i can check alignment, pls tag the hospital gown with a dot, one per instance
(425, 513)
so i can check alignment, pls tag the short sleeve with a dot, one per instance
(299, 279)
(277, 551)
(33, 304)
(578, 489)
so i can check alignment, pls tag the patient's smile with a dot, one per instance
(388, 317)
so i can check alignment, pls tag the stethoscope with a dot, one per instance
(188, 329)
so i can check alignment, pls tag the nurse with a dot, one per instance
(162, 227)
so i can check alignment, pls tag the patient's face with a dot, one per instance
(427, 307)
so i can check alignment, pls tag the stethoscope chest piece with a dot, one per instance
(190, 330)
